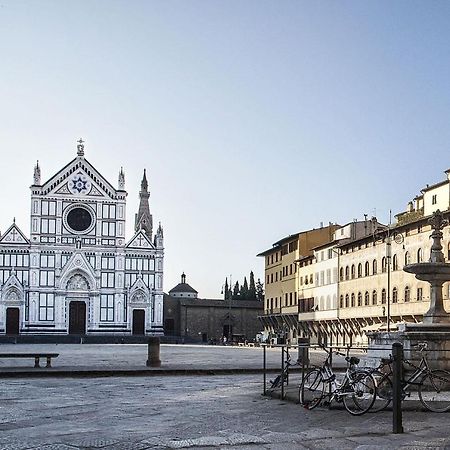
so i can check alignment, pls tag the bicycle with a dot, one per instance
(357, 390)
(283, 377)
(433, 385)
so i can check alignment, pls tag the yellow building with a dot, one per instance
(344, 284)
(281, 302)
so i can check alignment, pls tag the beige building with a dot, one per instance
(282, 293)
(353, 280)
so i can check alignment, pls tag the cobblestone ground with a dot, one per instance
(190, 412)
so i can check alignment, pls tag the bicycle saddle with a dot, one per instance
(353, 360)
(386, 361)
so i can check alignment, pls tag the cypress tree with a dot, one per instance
(252, 287)
(236, 291)
(244, 290)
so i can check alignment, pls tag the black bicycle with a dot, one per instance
(433, 385)
(357, 390)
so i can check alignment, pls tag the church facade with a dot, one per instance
(76, 273)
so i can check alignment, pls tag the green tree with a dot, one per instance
(244, 290)
(252, 287)
(259, 291)
(226, 292)
(236, 291)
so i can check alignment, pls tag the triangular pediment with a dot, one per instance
(78, 264)
(140, 240)
(79, 179)
(13, 235)
(12, 283)
(139, 292)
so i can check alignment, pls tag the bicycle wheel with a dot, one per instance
(275, 383)
(312, 389)
(434, 391)
(359, 393)
(384, 391)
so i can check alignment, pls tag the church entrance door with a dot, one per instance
(77, 317)
(12, 321)
(138, 322)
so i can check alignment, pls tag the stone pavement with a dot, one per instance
(166, 412)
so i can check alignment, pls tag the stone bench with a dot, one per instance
(36, 357)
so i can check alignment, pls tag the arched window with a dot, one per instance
(366, 299)
(374, 267)
(359, 299)
(383, 264)
(407, 294)
(394, 262)
(383, 296)
(346, 300)
(359, 270)
(407, 258)
(419, 255)
(374, 297)
(353, 271)
(394, 295)
(341, 274)
(367, 269)
(353, 299)
(347, 273)
(341, 301)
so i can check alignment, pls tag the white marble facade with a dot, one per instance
(76, 273)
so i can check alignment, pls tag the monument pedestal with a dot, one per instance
(436, 335)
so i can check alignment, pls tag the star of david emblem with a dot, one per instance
(79, 184)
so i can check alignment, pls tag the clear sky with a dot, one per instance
(254, 119)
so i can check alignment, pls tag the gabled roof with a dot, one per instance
(13, 235)
(58, 183)
(140, 240)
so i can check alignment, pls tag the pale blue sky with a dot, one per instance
(254, 119)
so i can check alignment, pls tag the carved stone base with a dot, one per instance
(436, 335)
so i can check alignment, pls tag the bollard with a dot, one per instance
(153, 352)
(264, 369)
(303, 351)
(282, 373)
(397, 354)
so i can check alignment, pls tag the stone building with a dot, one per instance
(188, 318)
(354, 282)
(76, 273)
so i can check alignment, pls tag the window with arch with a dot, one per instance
(383, 296)
(374, 297)
(366, 299)
(407, 258)
(394, 295)
(394, 262)
(359, 270)
(407, 294)
(341, 301)
(347, 273)
(374, 267)
(383, 264)
(419, 255)
(353, 271)
(346, 300)
(367, 269)
(341, 274)
(353, 299)
(359, 299)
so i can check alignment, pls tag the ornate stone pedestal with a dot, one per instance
(437, 337)
(435, 328)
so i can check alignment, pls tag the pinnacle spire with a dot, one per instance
(121, 179)
(143, 219)
(37, 174)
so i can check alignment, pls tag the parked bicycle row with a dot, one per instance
(362, 389)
